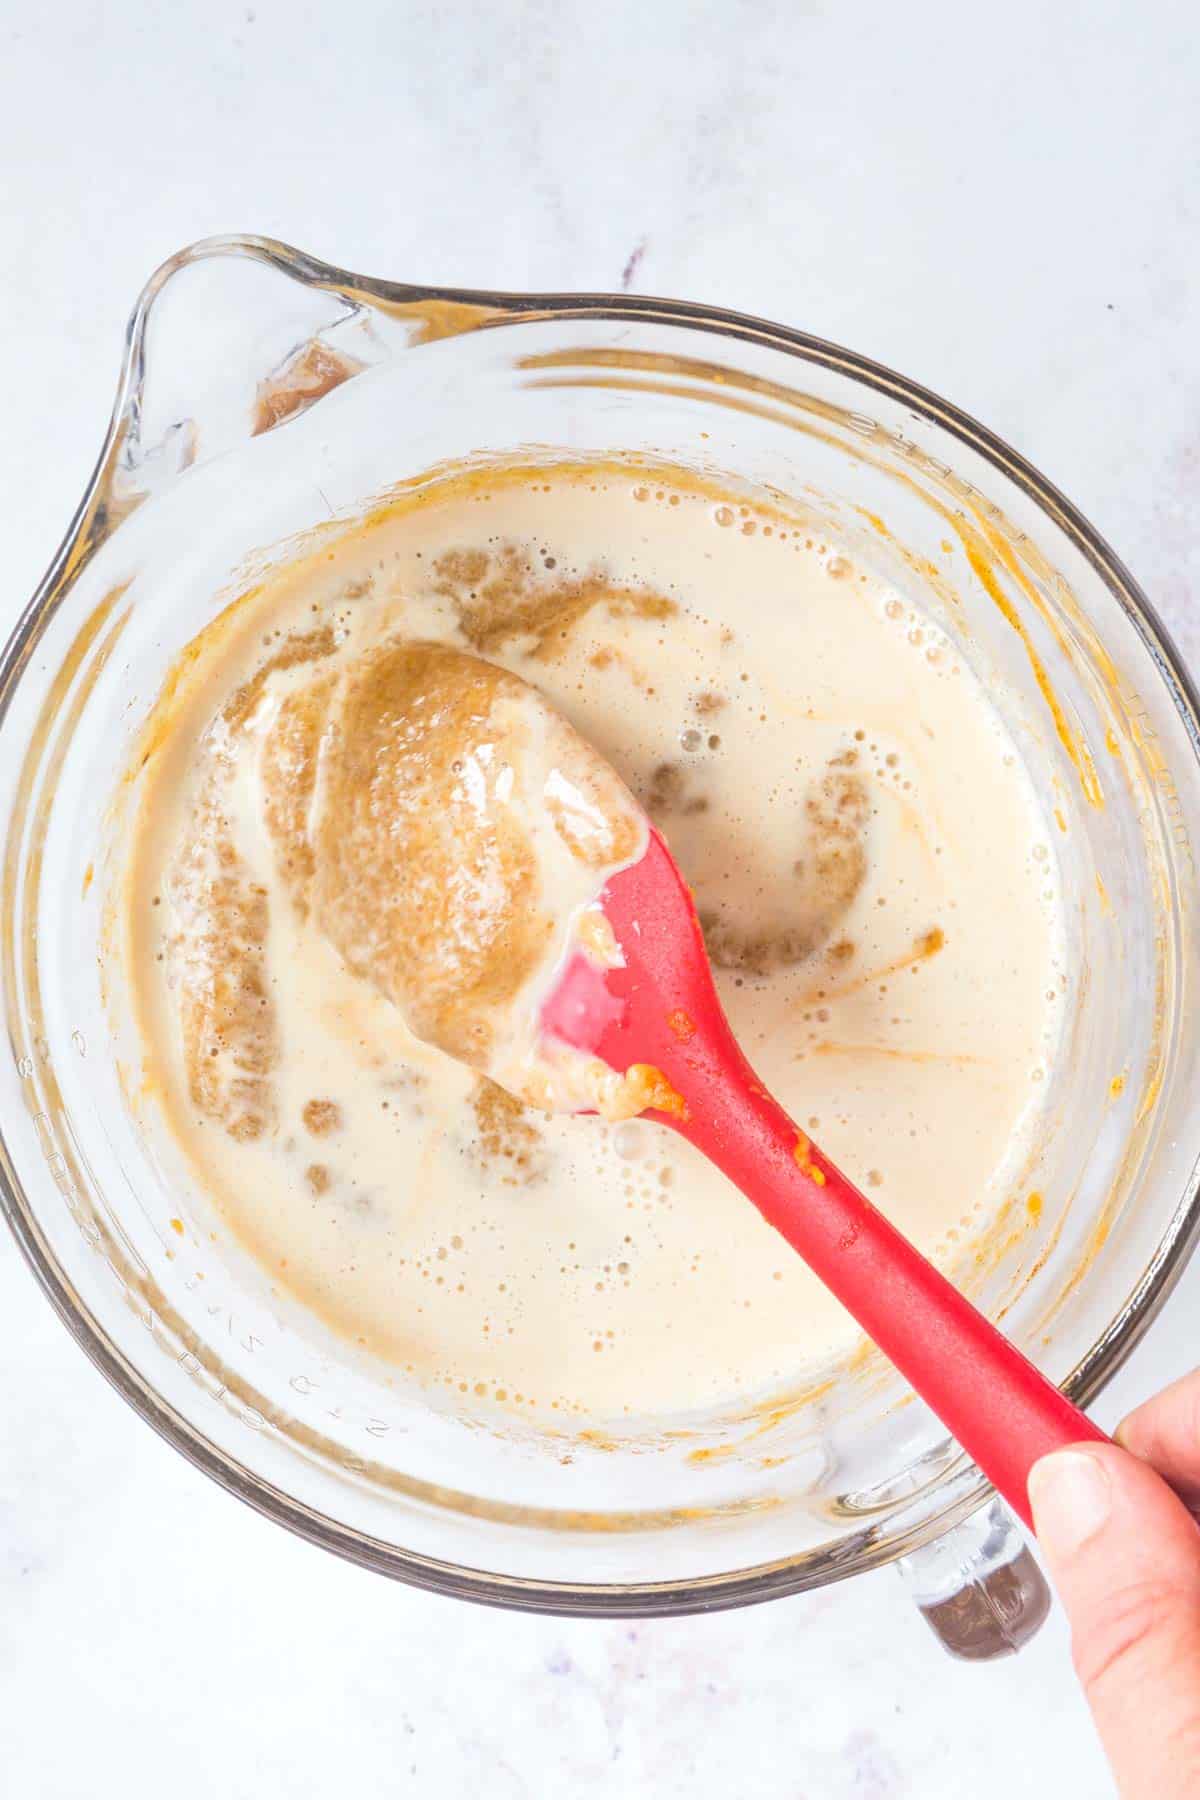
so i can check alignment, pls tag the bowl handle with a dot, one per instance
(978, 1587)
(234, 336)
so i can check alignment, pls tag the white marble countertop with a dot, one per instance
(1003, 205)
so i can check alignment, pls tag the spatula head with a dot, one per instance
(660, 1006)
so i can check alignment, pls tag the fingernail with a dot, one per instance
(1127, 1435)
(1071, 1497)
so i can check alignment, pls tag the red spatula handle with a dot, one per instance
(1002, 1411)
(661, 1008)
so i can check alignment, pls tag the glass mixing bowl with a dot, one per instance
(265, 395)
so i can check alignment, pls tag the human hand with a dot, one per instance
(1124, 1552)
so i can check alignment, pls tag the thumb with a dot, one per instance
(1124, 1553)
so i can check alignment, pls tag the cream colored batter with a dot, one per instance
(868, 859)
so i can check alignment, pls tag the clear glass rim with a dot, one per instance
(92, 523)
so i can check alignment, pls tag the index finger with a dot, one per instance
(1165, 1432)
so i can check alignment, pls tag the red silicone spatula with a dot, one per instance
(662, 1009)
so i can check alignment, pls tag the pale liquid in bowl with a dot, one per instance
(867, 853)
